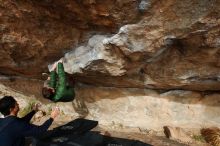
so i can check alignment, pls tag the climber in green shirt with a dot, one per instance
(56, 87)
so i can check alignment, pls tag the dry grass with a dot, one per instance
(211, 135)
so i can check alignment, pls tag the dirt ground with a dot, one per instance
(152, 139)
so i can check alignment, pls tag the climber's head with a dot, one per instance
(9, 106)
(48, 92)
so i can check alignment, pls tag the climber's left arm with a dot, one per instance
(61, 82)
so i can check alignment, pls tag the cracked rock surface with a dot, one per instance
(176, 47)
(148, 63)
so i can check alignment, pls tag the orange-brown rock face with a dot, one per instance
(35, 33)
(177, 48)
(175, 45)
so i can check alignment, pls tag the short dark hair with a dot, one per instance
(47, 93)
(6, 103)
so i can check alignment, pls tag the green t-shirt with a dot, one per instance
(58, 82)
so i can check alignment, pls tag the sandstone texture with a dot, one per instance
(122, 108)
(176, 48)
(177, 133)
(142, 44)
(133, 111)
(36, 33)
(148, 109)
(139, 64)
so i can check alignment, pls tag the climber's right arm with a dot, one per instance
(52, 81)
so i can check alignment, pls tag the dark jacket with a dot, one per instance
(58, 82)
(13, 130)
